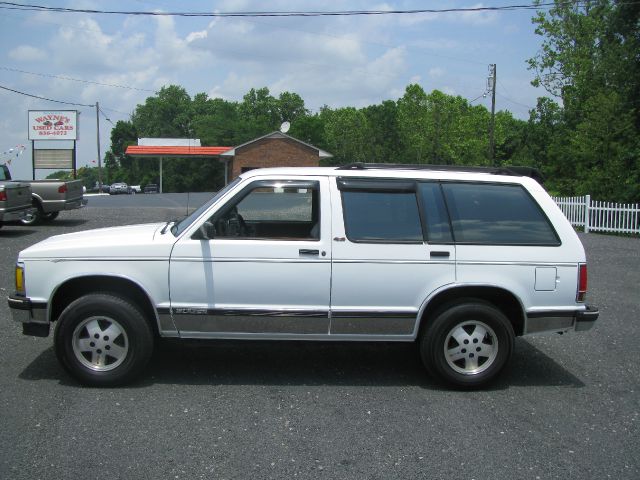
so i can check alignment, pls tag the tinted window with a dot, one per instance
(438, 228)
(497, 215)
(381, 216)
(279, 210)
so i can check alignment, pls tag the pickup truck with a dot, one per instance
(15, 201)
(460, 262)
(49, 197)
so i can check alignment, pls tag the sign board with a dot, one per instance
(53, 159)
(53, 125)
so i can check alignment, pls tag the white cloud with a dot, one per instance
(477, 18)
(27, 53)
(436, 72)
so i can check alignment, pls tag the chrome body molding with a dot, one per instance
(372, 323)
(293, 336)
(243, 321)
(303, 323)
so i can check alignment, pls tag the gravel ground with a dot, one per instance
(568, 406)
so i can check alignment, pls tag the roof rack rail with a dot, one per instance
(518, 171)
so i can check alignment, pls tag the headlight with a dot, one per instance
(20, 279)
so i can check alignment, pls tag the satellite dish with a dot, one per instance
(284, 128)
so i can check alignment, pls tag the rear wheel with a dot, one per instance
(34, 215)
(467, 345)
(50, 216)
(103, 340)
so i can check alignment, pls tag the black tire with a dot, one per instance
(50, 216)
(34, 216)
(467, 344)
(87, 351)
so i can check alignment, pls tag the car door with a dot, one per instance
(264, 269)
(383, 266)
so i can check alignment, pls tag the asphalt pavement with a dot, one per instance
(567, 407)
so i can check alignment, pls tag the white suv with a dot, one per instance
(459, 261)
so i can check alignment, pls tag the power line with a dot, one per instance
(105, 116)
(335, 13)
(45, 98)
(116, 111)
(76, 79)
(515, 103)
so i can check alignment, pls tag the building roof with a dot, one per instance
(174, 151)
(232, 151)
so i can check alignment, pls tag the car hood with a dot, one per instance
(134, 241)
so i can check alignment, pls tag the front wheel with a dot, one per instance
(103, 340)
(467, 345)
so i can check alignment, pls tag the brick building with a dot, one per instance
(273, 150)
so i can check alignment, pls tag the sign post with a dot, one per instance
(46, 125)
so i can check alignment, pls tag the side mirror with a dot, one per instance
(206, 231)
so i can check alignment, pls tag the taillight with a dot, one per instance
(581, 295)
(62, 188)
(3, 196)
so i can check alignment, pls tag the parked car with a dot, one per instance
(49, 197)
(151, 188)
(118, 188)
(15, 201)
(460, 262)
(135, 189)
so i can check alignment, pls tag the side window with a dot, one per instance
(438, 228)
(286, 210)
(493, 214)
(381, 214)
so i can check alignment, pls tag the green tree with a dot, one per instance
(347, 134)
(589, 59)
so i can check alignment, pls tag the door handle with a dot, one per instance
(305, 251)
(440, 254)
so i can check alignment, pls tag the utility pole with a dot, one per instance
(98, 142)
(491, 85)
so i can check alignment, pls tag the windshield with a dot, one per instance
(183, 224)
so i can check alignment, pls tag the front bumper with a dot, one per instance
(25, 311)
(32, 315)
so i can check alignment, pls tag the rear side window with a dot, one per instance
(492, 214)
(438, 228)
(382, 217)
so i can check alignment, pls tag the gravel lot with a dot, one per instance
(568, 406)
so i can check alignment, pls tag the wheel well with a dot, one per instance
(501, 299)
(77, 287)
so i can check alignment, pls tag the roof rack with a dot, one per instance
(518, 171)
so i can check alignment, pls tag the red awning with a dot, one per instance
(144, 151)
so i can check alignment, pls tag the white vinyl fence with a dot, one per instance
(595, 216)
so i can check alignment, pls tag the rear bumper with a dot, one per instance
(59, 205)
(561, 321)
(13, 215)
(586, 319)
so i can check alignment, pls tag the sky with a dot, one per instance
(120, 60)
